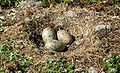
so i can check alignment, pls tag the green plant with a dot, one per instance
(12, 55)
(59, 66)
(111, 64)
(8, 55)
(11, 39)
(1, 47)
(23, 63)
(89, 0)
(6, 50)
(5, 47)
(17, 2)
(47, 3)
(1, 70)
(9, 3)
(38, 68)
(113, 2)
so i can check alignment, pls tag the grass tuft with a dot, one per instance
(111, 64)
(58, 66)
(9, 3)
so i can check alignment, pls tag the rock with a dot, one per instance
(2, 17)
(48, 34)
(37, 4)
(64, 37)
(12, 14)
(92, 70)
(102, 30)
(27, 19)
(99, 27)
(55, 45)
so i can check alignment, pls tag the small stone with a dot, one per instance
(55, 45)
(37, 3)
(27, 19)
(2, 17)
(102, 30)
(12, 14)
(64, 37)
(92, 70)
(99, 27)
(48, 34)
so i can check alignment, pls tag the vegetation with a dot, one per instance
(12, 57)
(19, 62)
(55, 66)
(58, 66)
(46, 3)
(111, 64)
(9, 3)
(113, 2)
(105, 2)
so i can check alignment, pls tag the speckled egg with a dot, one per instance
(64, 37)
(48, 34)
(55, 45)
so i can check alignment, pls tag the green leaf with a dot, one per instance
(17, 46)
(66, 1)
(111, 64)
(12, 55)
(11, 39)
(7, 47)
(70, 66)
(1, 47)
(62, 59)
(24, 63)
(111, 70)
(71, 71)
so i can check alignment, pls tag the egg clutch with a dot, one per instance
(50, 37)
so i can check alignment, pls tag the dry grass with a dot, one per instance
(86, 50)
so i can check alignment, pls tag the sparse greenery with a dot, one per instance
(37, 68)
(9, 3)
(89, 0)
(19, 62)
(111, 64)
(113, 2)
(106, 2)
(55, 66)
(24, 63)
(59, 66)
(8, 55)
(47, 3)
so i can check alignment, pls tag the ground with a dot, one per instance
(90, 44)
